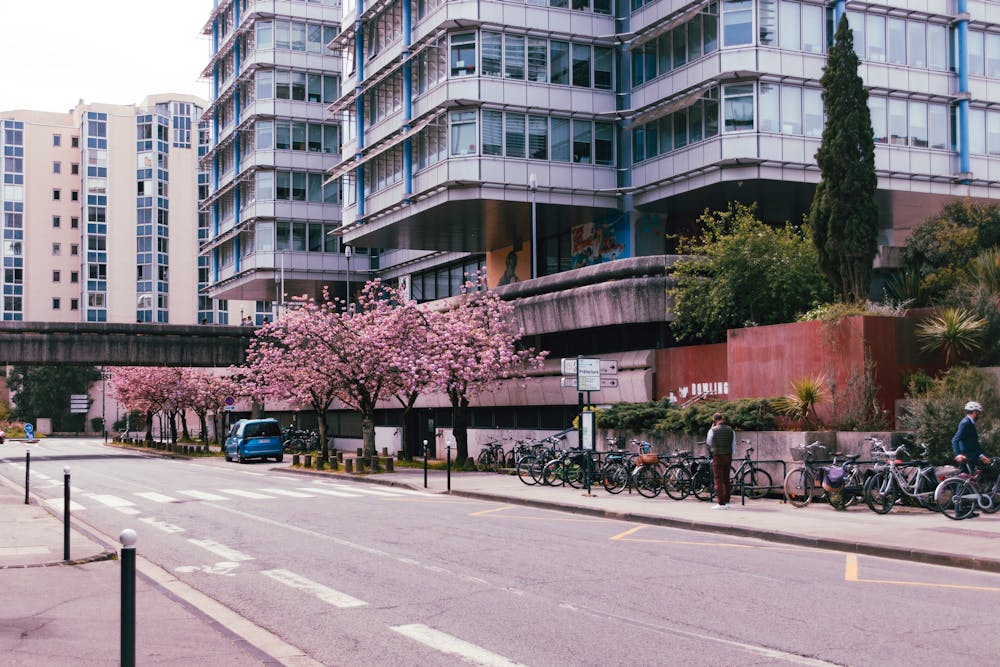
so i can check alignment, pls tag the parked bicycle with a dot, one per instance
(894, 480)
(689, 475)
(299, 440)
(960, 496)
(754, 481)
(491, 457)
(804, 484)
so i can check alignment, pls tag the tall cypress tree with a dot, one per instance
(844, 215)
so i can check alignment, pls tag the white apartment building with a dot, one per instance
(271, 142)
(100, 212)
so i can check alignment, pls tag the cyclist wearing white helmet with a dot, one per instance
(965, 444)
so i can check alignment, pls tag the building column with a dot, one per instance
(407, 105)
(359, 105)
(963, 87)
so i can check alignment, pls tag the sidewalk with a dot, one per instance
(59, 613)
(905, 533)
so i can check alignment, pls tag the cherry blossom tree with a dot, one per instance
(319, 351)
(207, 393)
(149, 391)
(476, 347)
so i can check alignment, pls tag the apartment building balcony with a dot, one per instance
(261, 276)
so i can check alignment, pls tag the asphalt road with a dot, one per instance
(368, 575)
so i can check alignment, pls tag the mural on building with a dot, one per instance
(600, 241)
(507, 265)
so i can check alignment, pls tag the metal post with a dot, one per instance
(449, 467)
(128, 539)
(27, 474)
(66, 513)
(425, 464)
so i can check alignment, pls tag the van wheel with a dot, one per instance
(279, 458)
(239, 455)
(228, 457)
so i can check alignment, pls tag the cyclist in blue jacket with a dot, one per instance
(965, 443)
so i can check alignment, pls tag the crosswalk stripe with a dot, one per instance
(57, 503)
(375, 492)
(247, 494)
(202, 495)
(441, 641)
(221, 550)
(111, 501)
(324, 593)
(328, 492)
(162, 525)
(156, 497)
(290, 494)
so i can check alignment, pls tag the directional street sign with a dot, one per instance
(588, 374)
(78, 404)
(606, 382)
(608, 366)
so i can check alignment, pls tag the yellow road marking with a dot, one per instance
(621, 536)
(624, 537)
(851, 574)
(495, 509)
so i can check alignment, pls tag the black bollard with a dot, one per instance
(425, 464)
(66, 513)
(449, 468)
(27, 475)
(128, 539)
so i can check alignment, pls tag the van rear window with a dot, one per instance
(263, 429)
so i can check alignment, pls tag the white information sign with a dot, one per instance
(588, 374)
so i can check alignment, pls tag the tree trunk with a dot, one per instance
(172, 418)
(368, 435)
(203, 423)
(411, 435)
(324, 447)
(460, 426)
(184, 426)
(149, 426)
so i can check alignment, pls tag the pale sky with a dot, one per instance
(55, 52)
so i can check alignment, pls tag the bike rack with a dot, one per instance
(784, 473)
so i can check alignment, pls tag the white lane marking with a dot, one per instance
(41, 476)
(324, 593)
(57, 504)
(441, 641)
(111, 501)
(290, 494)
(328, 492)
(162, 525)
(247, 494)
(156, 497)
(287, 479)
(374, 492)
(202, 495)
(220, 550)
(226, 569)
(255, 474)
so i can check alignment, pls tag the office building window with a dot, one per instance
(57, 140)
(977, 53)
(57, 167)
(559, 58)
(897, 122)
(738, 107)
(875, 37)
(791, 110)
(463, 133)
(937, 122)
(74, 223)
(74, 304)
(492, 53)
(581, 65)
(56, 276)
(538, 137)
(896, 41)
(916, 44)
(74, 195)
(877, 105)
(582, 149)
(74, 249)
(538, 60)
(937, 46)
(56, 221)
(74, 142)
(463, 54)
(514, 57)
(737, 22)
(56, 249)
(74, 276)
(603, 68)
(993, 55)
(492, 132)
(918, 124)
(514, 135)
(56, 194)
(560, 139)
(56, 303)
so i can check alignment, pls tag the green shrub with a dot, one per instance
(934, 418)
(662, 418)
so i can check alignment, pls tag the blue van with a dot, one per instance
(254, 438)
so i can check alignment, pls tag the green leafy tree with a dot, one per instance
(743, 272)
(941, 249)
(44, 391)
(844, 215)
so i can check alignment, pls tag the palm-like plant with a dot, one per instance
(954, 331)
(983, 275)
(800, 405)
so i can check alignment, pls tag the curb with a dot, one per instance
(353, 478)
(104, 555)
(825, 543)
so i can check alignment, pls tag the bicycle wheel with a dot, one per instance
(575, 472)
(701, 483)
(483, 463)
(677, 482)
(552, 473)
(854, 488)
(756, 483)
(955, 498)
(798, 487)
(614, 478)
(648, 482)
(524, 467)
(880, 492)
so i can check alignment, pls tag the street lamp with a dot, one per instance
(533, 187)
(348, 251)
